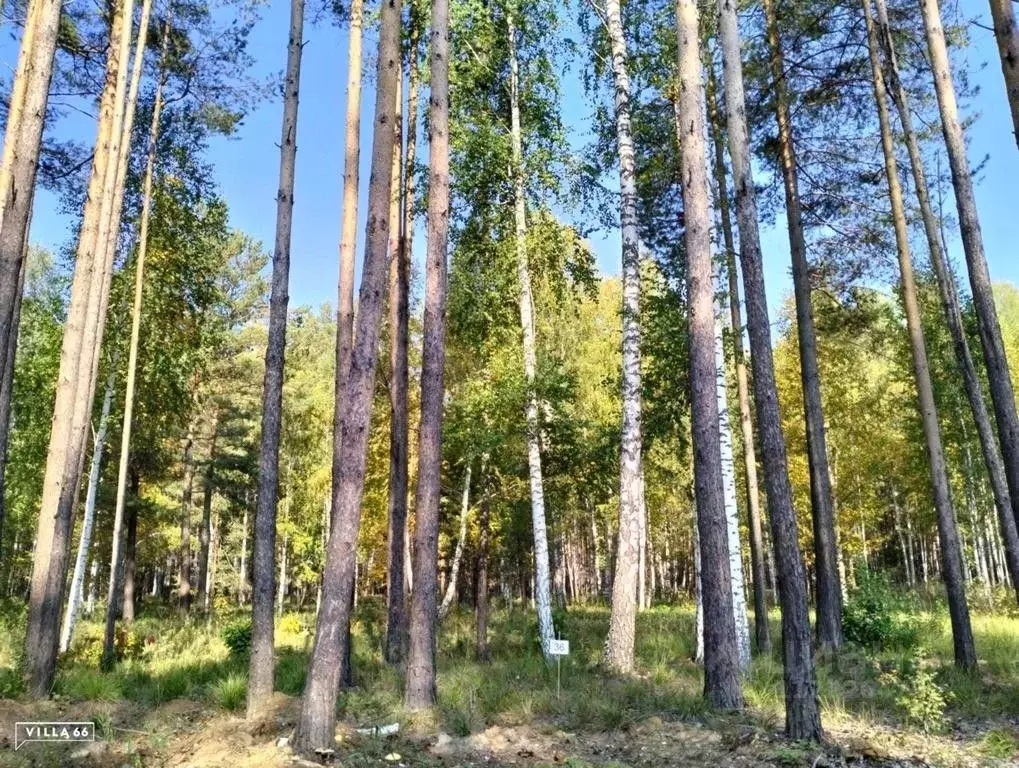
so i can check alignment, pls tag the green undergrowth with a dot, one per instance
(908, 684)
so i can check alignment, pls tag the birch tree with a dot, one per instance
(737, 587)
(542, 594)
(627, 581)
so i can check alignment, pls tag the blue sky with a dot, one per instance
(246, 165)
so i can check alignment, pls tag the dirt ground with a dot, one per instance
(188, 734)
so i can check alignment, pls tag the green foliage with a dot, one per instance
(237, 637)
(230, 692)
(873, 616)
(88, 684)
(918, 694)
(1001, 744)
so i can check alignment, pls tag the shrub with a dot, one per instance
(237, 637)
(922, 700)
(89, 685)
(291, 624)
(128, 643)
(873, 616)
(230, 692)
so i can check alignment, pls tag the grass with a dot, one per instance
(188, 659)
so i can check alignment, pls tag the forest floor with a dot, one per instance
(177, 700)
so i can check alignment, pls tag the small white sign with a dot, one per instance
(559, 648)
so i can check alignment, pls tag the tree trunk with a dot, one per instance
(420, 682)
(454, 571)
(737, 585)
(721, 654)
(399, 289)
(60, 480)
(262, 664)
(1007, 34)
(22, 141)
(542, 596)
(318, 706)
(829, 593)
(995, 362)
(130, 551)
(762, 631)
(205, 533)
(242, 570)
(125, 445)
(1008, 510)
(6, 393)
(953, 573)
(77, 589)
(481, 587)
(184, 575)
(803, 718)
(281, 584)
(212, 567)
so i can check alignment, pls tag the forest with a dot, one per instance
(663, 414)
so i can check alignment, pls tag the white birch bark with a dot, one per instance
(454, 572)
(739, 600)
(542, 594)
(77, 590)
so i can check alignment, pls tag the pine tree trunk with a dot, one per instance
(132, 361)
(1007, 34)
(77, 589)
(16, 107)
(79, 360)
(737, 584)
(953, 573)
(399, 289)
(262, 664)
(1008, 510)
(542, 596)
(318, 706)
(721, 653)
(348, 239)
(829, 593)
(995, 362)
(348, 225)
(454, 571)
(22, 143)
(803, 718)
(6, 394)
(420, 682)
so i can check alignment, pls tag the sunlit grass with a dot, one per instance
(189, 660)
